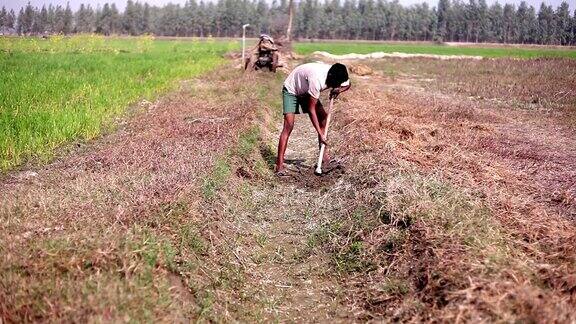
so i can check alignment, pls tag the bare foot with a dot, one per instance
(280, 171)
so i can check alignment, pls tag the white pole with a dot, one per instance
(244, 42)
(318, 170)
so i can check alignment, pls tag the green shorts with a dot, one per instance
(293, 104)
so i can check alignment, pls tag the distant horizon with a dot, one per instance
(121, 4)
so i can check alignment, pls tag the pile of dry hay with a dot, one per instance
(380, 55)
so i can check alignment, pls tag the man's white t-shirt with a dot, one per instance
(307, 78)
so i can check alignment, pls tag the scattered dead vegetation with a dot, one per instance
(360, 69)
(545, 84)
(453, 201)
(471, 204)
(115, 233)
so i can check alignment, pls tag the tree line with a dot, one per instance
(450, 20)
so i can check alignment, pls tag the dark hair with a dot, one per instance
(337, 75)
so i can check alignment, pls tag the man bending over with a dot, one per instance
(301, 94)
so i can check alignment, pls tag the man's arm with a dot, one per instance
(336, 91)
(314, 118)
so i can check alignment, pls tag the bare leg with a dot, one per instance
(274, 61)
(250, 64)
(283, 142)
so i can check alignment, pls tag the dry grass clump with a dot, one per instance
(114, 231)
(118, 275)
(538, 83)
(471, 206)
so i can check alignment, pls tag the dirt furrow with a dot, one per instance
(275, 222)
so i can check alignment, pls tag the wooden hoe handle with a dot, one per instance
(318, 170)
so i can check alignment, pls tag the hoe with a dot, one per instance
(318, 170)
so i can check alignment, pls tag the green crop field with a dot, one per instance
(438, 49)
(65, 88)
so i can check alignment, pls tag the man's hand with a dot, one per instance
(338, 90)
(334, 93)
(323, 140)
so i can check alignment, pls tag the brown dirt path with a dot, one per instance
(287, 278)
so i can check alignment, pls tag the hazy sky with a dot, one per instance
(17, 4)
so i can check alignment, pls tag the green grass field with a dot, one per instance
(65, 88)
(410, 48)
